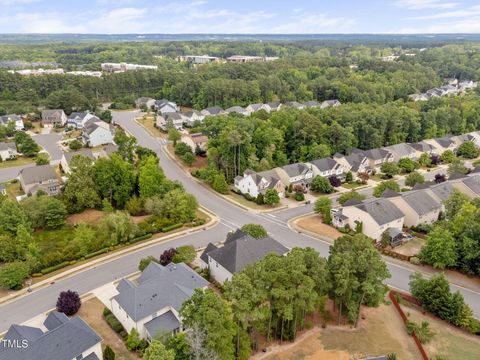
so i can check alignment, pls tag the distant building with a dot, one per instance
(199, 59)
(123, 67)
(56, 117)
(245, 58)
(196, 141)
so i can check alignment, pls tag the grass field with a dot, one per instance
(314, 224)
(449, 341)
(352, 185)
(21, 160)
(148, 122)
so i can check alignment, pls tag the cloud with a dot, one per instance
(425, 4)
(314, 23)
(472, 11)
(470, 25)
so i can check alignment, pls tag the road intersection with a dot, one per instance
(230, 218)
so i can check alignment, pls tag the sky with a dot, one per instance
(239, 16)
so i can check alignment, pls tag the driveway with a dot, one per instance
(50, 143)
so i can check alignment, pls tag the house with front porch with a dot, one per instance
(151, 305)
(355, 163)
(295, 174)
(55, 117)
(254, 183)
(325, 167)
(401, 151)
(376, 157)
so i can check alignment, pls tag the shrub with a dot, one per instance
(260, 200)
(145, 262)
(335, 181)
(75, 145)
(13, 274)
(167, 256)
(299, 196)
(108, 353)
(423, 331)
(114, 323)
(171, 227)
(415, 260)
(106, 311)
(50, 269)
(321, 184)
(184, 254)
(68, 302)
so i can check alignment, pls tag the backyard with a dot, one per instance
(410, 248)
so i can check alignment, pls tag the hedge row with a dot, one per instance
(115, 324)
(56, 267)
(99, 252)
(140, 238)
(172, 227)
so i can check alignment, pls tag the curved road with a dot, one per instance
(231, 217)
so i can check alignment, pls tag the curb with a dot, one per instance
(110, 257)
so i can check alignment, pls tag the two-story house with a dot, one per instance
(295, 174)
(400, 151)
(8, 151)
(325, 167)
(254, 183)
(151, 305)
(55, 117)
(164, 106)
(97, 132)
(375, 157)
(79, 119)
(42, 177)
(17, 119)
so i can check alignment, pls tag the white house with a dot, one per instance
(295, 174)
(239, 251)
(174, 119)
(195, 141)
(374, 215)
(79, 119)
(8, 151)
(211, 111)
(164, 106)
(58, 338)
(190, 117)
(257, 107)
(97, 133)
(254, 183)
(17, 119)
(238, 110)
(152, 303)
(326, 167)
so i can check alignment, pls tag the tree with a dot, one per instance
(439, 178)
(271, 197)
(126, 145)
(80, 191)
(349, 177)
(75, 144)
(256, 231)
(134, 206)
(356, 273)
(133, 340)
(13, 274)
(321, 184)
(177, 206)
(335, 181)
(211, 314)
(219, 184)
(106, 116)
(454, 204)
(407, 165)
(26, 145)
(108, 353)
(145, 262)
(11, 217)
(179, 344)
(390, 169)
(185, 254)
(425, 160)
(342, 199)
(174, 135)
(151, 180)
(69, 99)
(157, 351)
(439, 249)
(447, 156)
(83, 241)
(189, 158)
(68, 302)
(384, 185)
(55, 213)
(118, 227)
(457, 166)
(468, 150)
(167, 256)
(323, 206)
(42, 159)
(414, 178)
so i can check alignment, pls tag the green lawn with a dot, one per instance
(53, 240)
(14, 190)
(21, 160)
(352, 185)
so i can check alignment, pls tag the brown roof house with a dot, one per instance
(195, 141)
(43, 177)
(55, 117)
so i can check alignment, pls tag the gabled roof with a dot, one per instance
(37, 174)
(324, 164)
(83, 152)
(66, 341)
(77, 115)
(295, 169)
(294, 104)
(174, 116)
(93, 124)
(204, 256)
(421, 202)
(274, 104)
(5, 119)
(422, 146)
(443, 190)
(54, 320)
(456, 176)
(53, 112)
(8, 146)
(311, 103)
(389, 193)
(167, 322)
(213, 110)
(381, 210)
(445, 141)
(158, 287)
(238, 254)
(236, 109)
(401, 149)
(473, 183)
(255, 107)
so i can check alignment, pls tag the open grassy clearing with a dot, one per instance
(314, 224)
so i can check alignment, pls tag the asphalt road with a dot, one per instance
(231, 217)
(49, 143)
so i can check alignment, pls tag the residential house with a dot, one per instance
(355, 163)
(256, 107)
(469, 185)
(441, 191)
(197, 142)
(165, 107)
(330, 103)
(215, 110)
(440, 145)
(97, 132)
(79, 119)
(419, 97)
(17, 119)
(59, 338)
(375, 215)
(151, 305)
(239, 251)
(295, 174)
(106, 151)
(311, 104)
(42, 177)
(375, 157)
(144, 101)
(8, 151)
(170, 119)
(238, 110)
(68, 156)
(190, 117)
(325, 167)
(400, 151)
(55, 117)
(467, 85)
(254, 183)
(274, 106)
(418, 206)
(422, 147)
(295, 105)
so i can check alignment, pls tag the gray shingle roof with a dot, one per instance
(381, 210)
(445, 141)
(311, 103)
(400, 150)
(443, 190)
(55, 319)
(66, 341)
(214, 110)
(389, 193)
(166, 322)
(37, 174)
(8, 145)
(236, 255)
(295, 169)
(325, 164)
(473, 183)
(421, 202)
(158, 287)
(422, 146)
(84, 152)
(204, 256)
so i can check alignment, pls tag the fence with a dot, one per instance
(411, 299)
